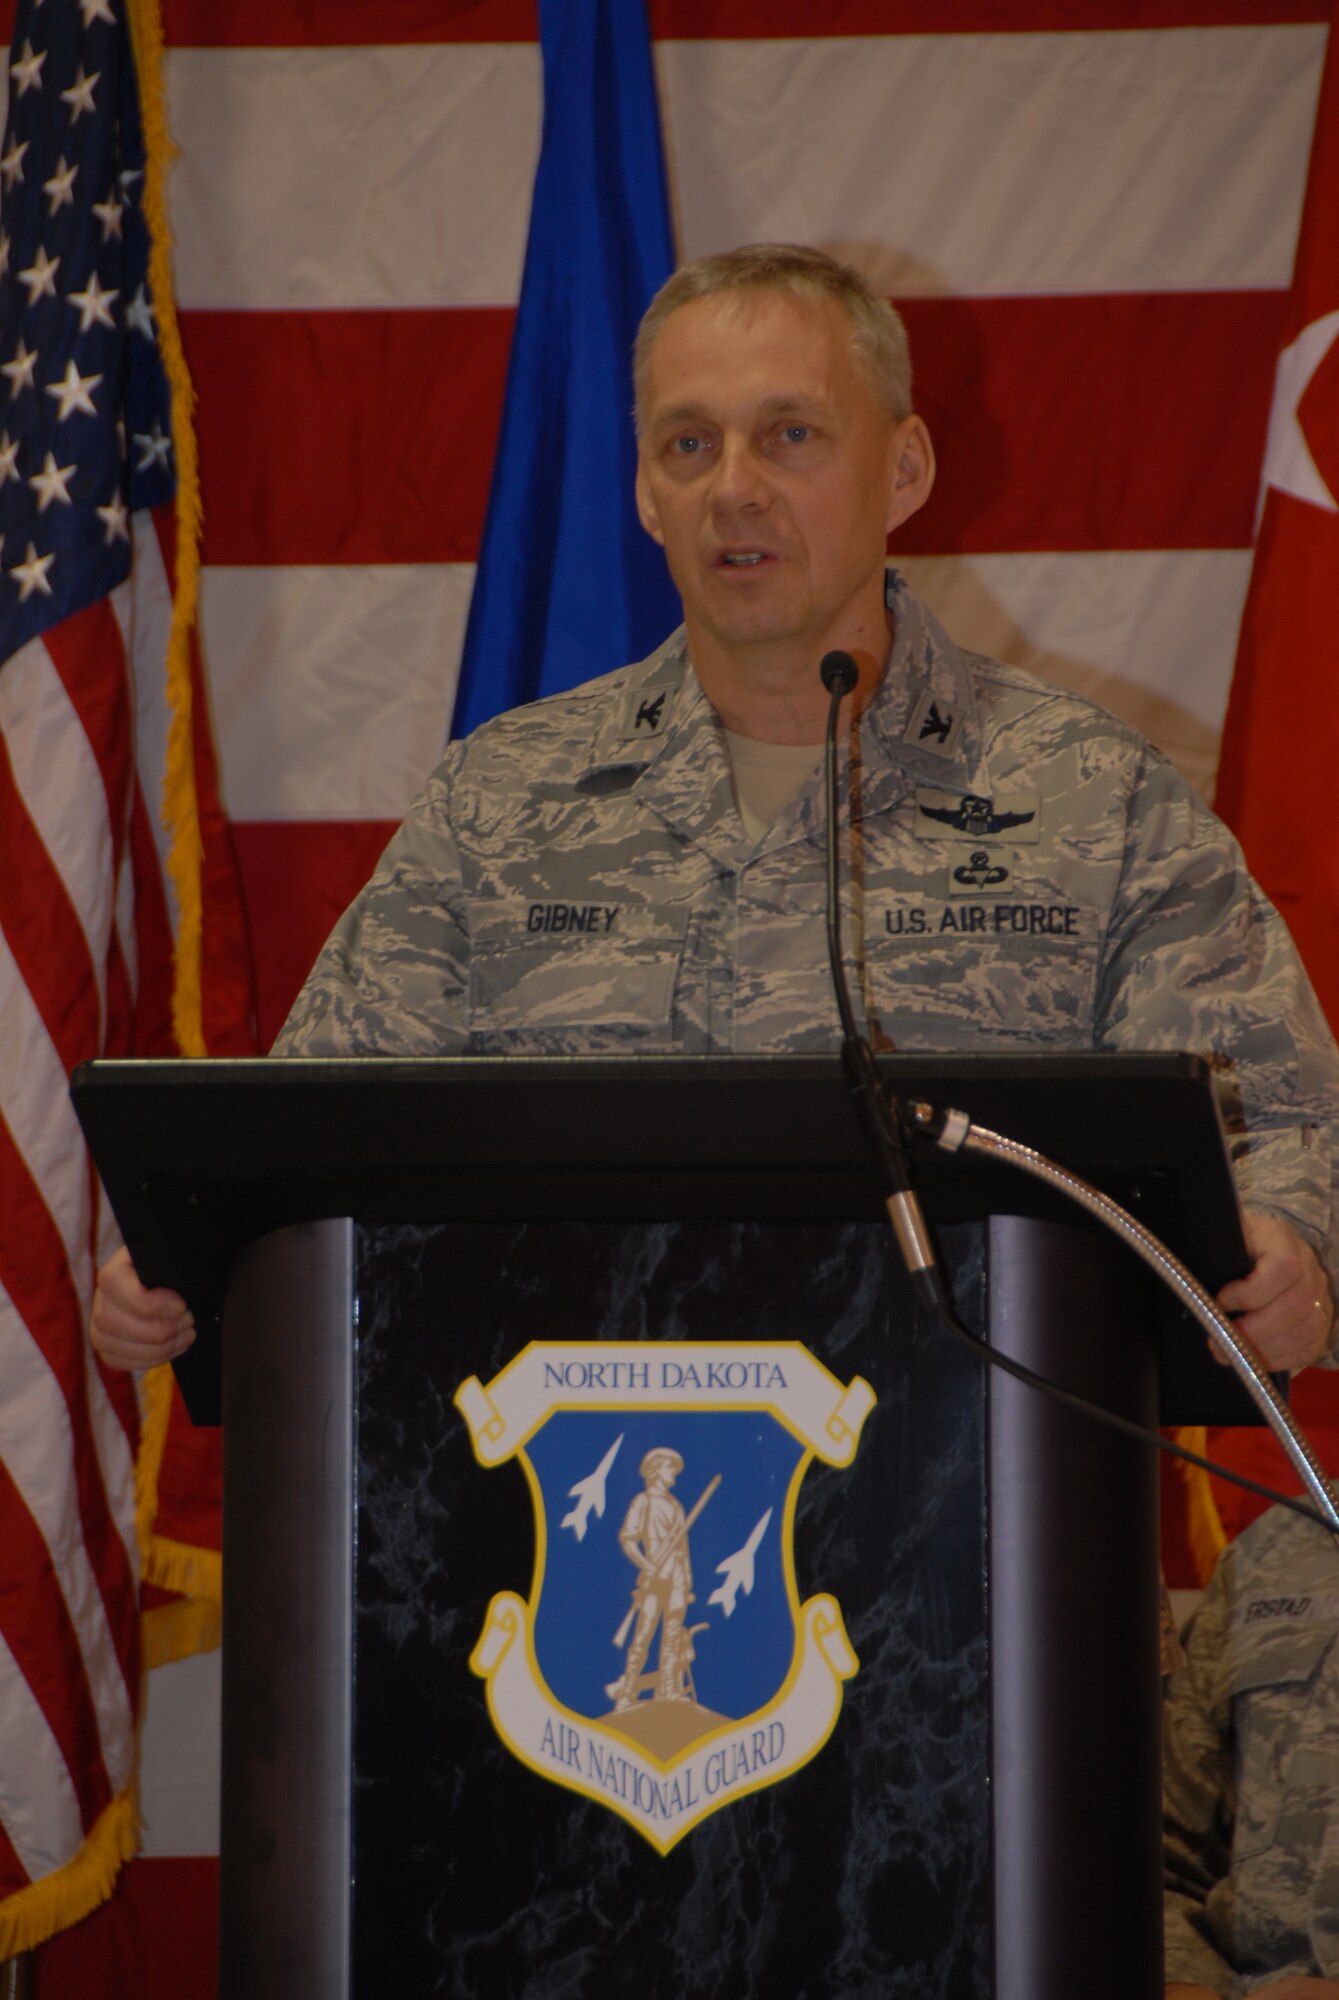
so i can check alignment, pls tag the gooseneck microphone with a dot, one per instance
(878, 1111)
(881, 1117)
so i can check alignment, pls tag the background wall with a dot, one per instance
(1087, 214)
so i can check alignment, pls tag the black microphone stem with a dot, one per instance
(878, 1113)
(839, 681)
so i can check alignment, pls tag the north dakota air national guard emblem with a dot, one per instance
(664, 1664)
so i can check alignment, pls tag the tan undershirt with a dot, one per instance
(767, 776)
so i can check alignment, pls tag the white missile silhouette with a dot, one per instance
(589, 1492)
(738, 1569)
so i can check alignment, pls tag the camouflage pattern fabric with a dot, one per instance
(1251, 1768)
(1020, 871)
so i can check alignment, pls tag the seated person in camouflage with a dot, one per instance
(1251, 1774)
(638, 865)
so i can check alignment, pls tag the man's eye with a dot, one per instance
(796, 433)
(687, 445)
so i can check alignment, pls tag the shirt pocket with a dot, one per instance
(1273, 1687)
(983, 976)
(605, 988)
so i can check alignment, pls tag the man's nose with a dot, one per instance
(741, 480)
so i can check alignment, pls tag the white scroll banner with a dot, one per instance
(664, 1802)
(780, 1376)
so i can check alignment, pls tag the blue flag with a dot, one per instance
(569, 584)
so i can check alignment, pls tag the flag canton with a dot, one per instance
(85, 416)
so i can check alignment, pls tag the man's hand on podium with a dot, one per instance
(133, 1326)
(1283, 1306)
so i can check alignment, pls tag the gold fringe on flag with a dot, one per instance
(1205, 1534)
(175, 1631)
(60, 1899)
(195, 1572)
(180, 807)
(155, 1402)
(171, 1631)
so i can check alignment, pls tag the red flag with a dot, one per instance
(1281, 737)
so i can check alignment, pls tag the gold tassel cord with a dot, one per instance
(180, 805)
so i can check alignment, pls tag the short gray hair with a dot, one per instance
(878, 337)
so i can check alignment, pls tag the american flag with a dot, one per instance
(87, 916)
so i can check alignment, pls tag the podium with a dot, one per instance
(906, 1740)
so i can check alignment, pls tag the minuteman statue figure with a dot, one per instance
(654, 1536)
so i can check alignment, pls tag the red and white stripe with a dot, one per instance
(84, 926)
(1090, 229)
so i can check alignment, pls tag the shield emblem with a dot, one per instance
(664, 1663)
(672, 1609)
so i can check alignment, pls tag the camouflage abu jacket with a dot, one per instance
(1251, 1768)
(1020, 872)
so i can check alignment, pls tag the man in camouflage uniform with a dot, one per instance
(638, 865)
(1251, 1774)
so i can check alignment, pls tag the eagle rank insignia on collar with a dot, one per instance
(663, 1664)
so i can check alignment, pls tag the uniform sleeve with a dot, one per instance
(393, 976)
(1199, 1800)
(1198, 959)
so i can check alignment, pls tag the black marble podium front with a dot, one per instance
(893, 1863)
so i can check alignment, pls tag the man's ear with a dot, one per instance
(646, 506)
(913, 470)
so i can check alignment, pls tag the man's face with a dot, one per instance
(771, 474)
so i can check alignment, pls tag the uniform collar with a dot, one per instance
(662, 728)
(923, 720)
(922, 727)
(653, 702)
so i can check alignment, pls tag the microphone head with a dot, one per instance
(838, 672)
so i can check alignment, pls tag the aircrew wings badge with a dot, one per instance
(663, 1664)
